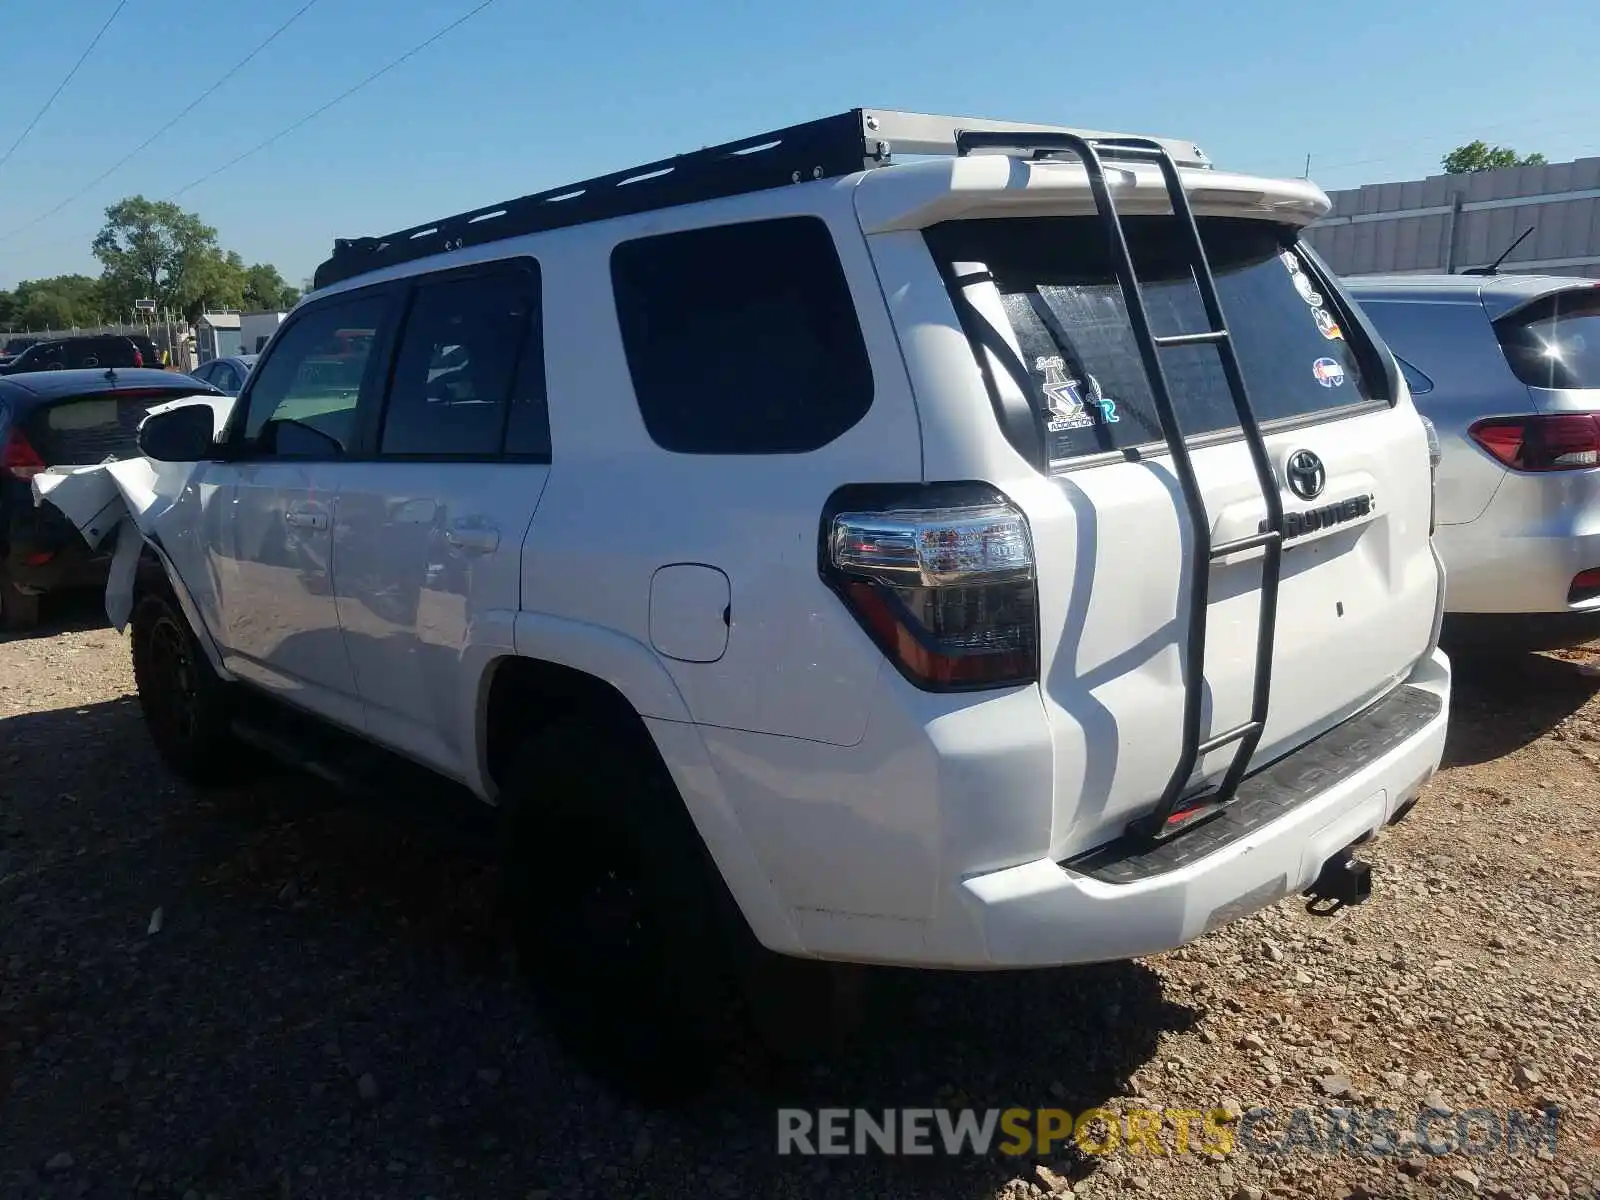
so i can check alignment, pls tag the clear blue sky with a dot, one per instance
(529, 95)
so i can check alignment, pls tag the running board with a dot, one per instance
(389, 786)
(1271, 792)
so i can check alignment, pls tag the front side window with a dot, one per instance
(458, 372)
(1555, 342)
(742, 339)
(303, 402)
(1079, 357)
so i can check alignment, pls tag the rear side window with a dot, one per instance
(742, 339)
(1555, 341)
(1078, 354)
(1416, 381)
(102, 352)
(468, 374)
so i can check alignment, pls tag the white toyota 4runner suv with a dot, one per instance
(893, 539)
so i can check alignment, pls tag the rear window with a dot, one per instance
(92, 429)
(1555, 341)
(1083, 370)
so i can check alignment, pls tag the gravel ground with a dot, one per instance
(275, 992)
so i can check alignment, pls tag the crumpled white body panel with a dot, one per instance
(126, 499)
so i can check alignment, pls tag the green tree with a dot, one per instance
(266, 289)
(58, 303)
(1480, 156)
(152, 249)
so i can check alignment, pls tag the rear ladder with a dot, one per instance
(1177, 810)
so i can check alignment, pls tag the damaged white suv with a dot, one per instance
(961, 562)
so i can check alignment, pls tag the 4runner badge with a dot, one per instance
(1309, 520)
(1069, 409)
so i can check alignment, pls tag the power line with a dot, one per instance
(60, 87)
(344, 95)
(144, 145)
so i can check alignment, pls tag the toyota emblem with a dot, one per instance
(1306, 474)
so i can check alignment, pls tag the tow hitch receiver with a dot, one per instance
(1344, 880)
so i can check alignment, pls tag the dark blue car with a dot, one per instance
(64, 418)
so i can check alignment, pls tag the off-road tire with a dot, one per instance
(635, 949)
(622, 926)
(187, 708)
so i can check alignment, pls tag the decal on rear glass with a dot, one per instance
(1070, 408)
(1290, 260)
(1328, 372)
(1307, 293)
(1327, 325)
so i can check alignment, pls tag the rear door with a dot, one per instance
(429, 531)
(1358, 590)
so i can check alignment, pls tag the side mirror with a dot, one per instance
(184, 434)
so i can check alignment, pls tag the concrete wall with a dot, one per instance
(1449, 222)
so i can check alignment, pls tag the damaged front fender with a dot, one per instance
(135, 503)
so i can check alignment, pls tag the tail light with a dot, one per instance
(18, 458)
(942, 579)
(1546, 442)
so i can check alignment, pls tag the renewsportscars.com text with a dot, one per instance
(1098, 1131)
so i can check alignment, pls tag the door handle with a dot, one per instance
(475, 539)
(306, 520)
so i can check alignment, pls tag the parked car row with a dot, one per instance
(111, 350)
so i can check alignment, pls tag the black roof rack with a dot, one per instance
(828, 148)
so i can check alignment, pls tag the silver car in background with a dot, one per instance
(227, 374)
(1507, 367)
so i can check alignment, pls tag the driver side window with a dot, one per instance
(303, 400)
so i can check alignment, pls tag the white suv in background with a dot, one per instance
(821, 556)
(1507, 367)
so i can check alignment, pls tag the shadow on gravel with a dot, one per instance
(63, 612)
(329, 1008)
(1503, 702)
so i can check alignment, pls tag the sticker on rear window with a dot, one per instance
(1328, 372)
(1290, 260)
(1307, 293)
(1069, 407)
(1327, 325)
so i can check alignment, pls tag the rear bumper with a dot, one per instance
(927, 844)
(1043, 913)
(41, 551)
(1521, 554)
